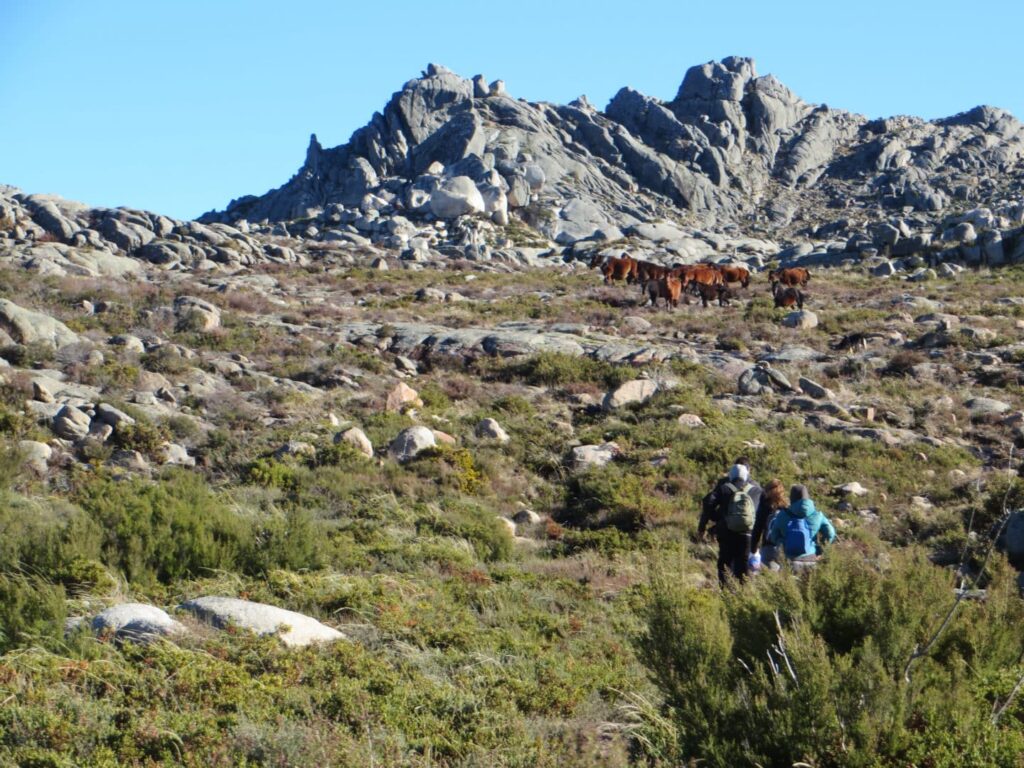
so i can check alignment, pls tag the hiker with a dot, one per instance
(732, 509)
(796, 528)
(773, 500)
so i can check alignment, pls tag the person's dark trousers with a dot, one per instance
(733, 554)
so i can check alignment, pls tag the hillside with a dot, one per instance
(393, 399)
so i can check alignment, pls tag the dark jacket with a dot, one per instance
(715, 503)
(759, 535)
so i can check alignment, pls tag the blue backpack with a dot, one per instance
(798, 540)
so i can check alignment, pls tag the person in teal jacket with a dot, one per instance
(797, 527)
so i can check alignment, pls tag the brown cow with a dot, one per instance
(667, 288)
(788, 296)
(618, 269)
(596, 260)
(791, 276)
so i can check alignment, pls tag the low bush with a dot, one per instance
(556, 369)
(31, 609)
(815, 670)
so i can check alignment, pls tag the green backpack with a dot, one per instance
(739, 510)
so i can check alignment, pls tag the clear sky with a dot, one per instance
(178, 107)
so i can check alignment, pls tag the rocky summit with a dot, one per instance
(403, 462)
(730, 148)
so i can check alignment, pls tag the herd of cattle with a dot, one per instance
(708, 281)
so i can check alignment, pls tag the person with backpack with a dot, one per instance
(773, 501)
(732, 509)
(797, 528)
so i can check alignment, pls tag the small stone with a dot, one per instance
(634, 324)
(402, 396)
(406, 364)
(851, 489)
(587, 456)
(526, 517)
(489, 429)
(295, 449)
(443, 437)
(815, 390)
(356, 437)
(803, 319)
(691, 421)
(41, 393)
(177, 455)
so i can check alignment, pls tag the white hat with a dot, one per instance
(739, 472)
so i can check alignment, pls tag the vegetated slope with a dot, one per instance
(432, 429)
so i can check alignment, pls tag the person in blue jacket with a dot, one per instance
(797, 528)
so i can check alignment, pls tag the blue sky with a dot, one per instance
(178, 107)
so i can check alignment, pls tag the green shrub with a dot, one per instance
(30, 609)
(172, 529)
(811, 670)
(489, 538)
(273, 474)
(558, 369)
(614, 496)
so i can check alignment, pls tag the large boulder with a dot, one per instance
(35, 455)
(355, 437)
(636, 391)
(196, 314)
(986, 408)
(135, 621)
(402, 396)
(761, 379)
(27, 327)
(586, 457)
(71, 423)
(410, 442)
(294, 629)
(489, 429)
(457, 196)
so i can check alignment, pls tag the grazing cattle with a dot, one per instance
(596, 260)
(788, 296)
(618, 269)
(734, 274)
(667, 288)
(791, 276)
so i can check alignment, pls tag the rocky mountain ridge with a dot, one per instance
(731, 147)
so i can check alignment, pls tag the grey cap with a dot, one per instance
(739, 472)
(798, 493)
